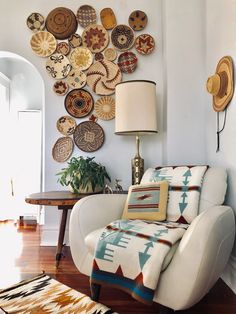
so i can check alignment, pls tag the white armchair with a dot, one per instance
(199, 258)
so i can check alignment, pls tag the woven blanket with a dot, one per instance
(130, 253)
(185, 184)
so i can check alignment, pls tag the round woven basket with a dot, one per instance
(88, 136)
(62, 149)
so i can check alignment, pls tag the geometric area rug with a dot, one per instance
(44, 294)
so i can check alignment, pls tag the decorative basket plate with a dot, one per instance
(138, 20)
(58, 66)
(35, 22)
(105, 108)
(75, 40)
(66, 125)
(81, 58)
(122, 37)
(79, 103)
(108, 18)
(63, 48)
(61, 22)
(95, 38)
(98, 56)
(86, 15)
(144, 44)
(76, 78)
(60, 87)
(127, 61)
(88, 136)
(62, 149)
(43, 43)
(110, 54)
(103, 76)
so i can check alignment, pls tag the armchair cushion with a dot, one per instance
(147, 201)
(184, 190)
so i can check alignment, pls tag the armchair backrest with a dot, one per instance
(213, 188)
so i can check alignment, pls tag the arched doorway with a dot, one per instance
(22, 111)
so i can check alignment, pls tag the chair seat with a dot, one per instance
(92, 238)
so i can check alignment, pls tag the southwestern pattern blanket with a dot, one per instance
(130, 253)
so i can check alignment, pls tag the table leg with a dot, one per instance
(61, 235)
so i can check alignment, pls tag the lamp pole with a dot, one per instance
(137, 164)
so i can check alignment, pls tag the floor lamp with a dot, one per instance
(136, 114)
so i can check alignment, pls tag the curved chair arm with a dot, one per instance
(199, 260)
(87, 215)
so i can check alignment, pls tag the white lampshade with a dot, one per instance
(136, 107)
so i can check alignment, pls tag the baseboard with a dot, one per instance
(229, 274)
(49, 236)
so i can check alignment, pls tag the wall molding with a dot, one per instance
(229, 274)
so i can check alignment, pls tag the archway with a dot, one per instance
(21, 162)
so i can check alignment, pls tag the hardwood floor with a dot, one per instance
(21, 258)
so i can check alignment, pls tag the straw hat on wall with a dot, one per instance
(220, 85)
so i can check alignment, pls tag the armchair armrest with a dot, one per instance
(89, 214)
(199, 260)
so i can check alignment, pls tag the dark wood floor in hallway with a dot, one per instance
(23, 258)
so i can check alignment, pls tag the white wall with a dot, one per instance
(185, 64)
(197, 34)
(220, 35)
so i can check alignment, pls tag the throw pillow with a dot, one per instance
(184, 190)
(146, 201)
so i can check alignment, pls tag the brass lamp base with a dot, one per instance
(137, 165)
(137, 169)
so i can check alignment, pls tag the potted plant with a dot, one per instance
(83, 175)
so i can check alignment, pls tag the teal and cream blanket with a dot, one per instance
(130, 254)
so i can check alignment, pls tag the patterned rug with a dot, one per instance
(43, 294)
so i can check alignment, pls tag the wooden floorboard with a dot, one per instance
(23, 258)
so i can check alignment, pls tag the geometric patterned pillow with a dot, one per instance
(147, 201)
(184, 190)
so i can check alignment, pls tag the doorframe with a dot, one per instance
(4, 80)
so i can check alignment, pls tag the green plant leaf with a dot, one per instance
(82, 172)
